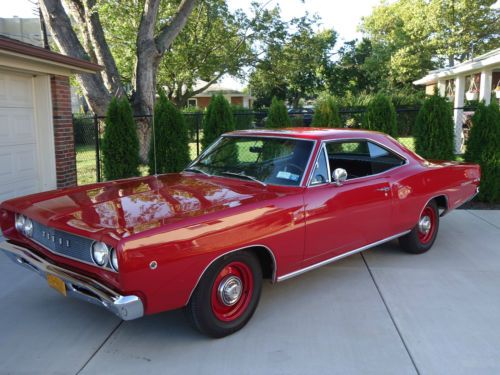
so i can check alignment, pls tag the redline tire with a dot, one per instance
(227, 295)
(422, 236)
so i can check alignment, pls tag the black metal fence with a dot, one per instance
(88, 132)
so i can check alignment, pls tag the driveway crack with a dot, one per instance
(390, 315)
(483, 219)
(100, 347)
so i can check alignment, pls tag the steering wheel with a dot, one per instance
(294, 166)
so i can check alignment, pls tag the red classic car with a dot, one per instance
(262, 204)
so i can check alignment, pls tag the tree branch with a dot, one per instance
(170, 31)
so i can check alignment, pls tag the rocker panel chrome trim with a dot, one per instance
(338, 257)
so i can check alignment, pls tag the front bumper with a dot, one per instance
(77, 286)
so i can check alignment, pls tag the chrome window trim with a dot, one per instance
(406, 160)
(321, 150)
(315, 141)
(338, 257)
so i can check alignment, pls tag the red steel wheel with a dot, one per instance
(227, 295)
(422, 236)
(427, 225)
(232, 291)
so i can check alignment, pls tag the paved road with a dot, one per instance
(383, 312)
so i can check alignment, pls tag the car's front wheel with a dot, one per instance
(422, 236)
(227, 295)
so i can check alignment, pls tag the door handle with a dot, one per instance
(384, 189)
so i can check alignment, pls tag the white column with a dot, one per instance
(485, 86)
(458, 113)
(441, 86)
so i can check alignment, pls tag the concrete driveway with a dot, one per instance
(383, 312)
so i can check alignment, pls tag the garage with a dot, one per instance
(36, 131)
(18, 141)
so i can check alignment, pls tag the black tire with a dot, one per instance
(417, 241)
(206, 310)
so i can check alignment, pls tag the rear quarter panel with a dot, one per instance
(419, 183)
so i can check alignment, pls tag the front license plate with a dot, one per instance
(57, 283)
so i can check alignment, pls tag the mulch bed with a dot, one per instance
(475, 205)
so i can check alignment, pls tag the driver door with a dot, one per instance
(347, 217)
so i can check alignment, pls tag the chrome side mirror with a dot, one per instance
(339, 176)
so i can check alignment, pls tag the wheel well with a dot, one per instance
(266, 260)
(442, 203)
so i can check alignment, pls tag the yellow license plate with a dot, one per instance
(57, 283)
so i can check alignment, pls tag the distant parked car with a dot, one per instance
(305, 113)
(257, 204)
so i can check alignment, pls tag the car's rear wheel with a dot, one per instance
(227, 295)
(422, 236)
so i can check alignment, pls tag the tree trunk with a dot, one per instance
(92, 85)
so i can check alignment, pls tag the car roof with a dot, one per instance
(308, 133)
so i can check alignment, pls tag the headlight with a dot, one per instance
(20, 219)
(24, 225)
(28, 227)
(114, 259)
(100, 253)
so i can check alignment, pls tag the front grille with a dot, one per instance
(63, 243)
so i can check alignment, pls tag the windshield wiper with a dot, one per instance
(244, 176)
(196, 170)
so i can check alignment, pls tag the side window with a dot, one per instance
(361, 158)
(320, 173)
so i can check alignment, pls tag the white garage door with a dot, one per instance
(18, 145)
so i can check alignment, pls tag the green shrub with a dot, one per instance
(193, 118)
(326, 112)
(243, 117)
(434, 130)
(170, 138)
(120, 144)
(277, 116)
(483, 147)
(84, 129)
(381, 116)
(218, 120)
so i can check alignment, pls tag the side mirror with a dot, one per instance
(339, 176)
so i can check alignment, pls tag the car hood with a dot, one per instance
(131, 206)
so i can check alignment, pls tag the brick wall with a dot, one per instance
(63, 132)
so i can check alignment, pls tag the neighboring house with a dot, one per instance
(235, 97)
(37, 149)
(475, 79)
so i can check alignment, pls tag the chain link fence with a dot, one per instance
(88, 132)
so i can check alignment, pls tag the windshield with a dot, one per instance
(277, 161)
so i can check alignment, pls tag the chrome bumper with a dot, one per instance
(77, 286)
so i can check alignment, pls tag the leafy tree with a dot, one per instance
(381, 116)
(416, 36)
(277, 116)
(218, 120)
(326, 112)
(434, 130)
(293, 62)
(483, 147)
(171, 147)
(120, 145)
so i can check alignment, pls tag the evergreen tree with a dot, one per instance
(326, 112)
(381, 116)
(483, 147)
(170, 137)
(434, 130)
(218, 120)
(120, 144)
(278, 115)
